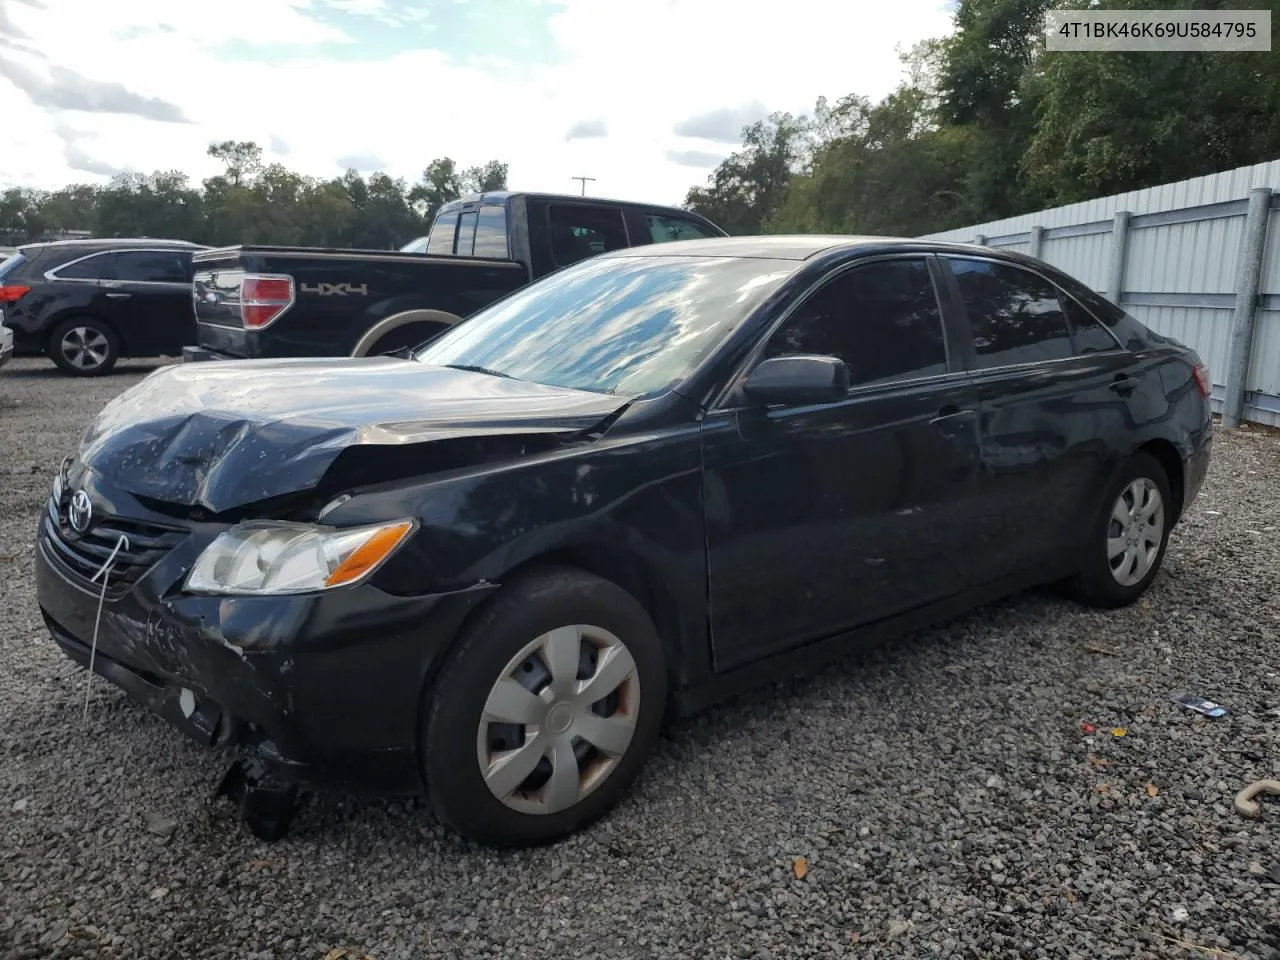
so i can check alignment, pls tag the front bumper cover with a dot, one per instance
(326, 687)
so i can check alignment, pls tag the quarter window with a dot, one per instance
(881, 319)
(1087, 331)
(1014, 315)
(147, 266)
(579, 232)
(87, 269)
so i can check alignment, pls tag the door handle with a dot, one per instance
(1124, 385)
(119, 296)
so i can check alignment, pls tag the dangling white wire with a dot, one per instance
(105, 573)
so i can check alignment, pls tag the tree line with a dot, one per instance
(988, 123)
(249, 202)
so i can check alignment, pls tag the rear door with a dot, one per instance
(827, 516)
(146, 295)
(1056, 400)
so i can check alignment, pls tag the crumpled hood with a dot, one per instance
(224, 434)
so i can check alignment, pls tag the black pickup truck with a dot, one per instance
(253, 301)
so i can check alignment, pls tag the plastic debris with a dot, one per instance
(1118, 731)
(1088, 727)
(1199, 704)
(1246, 804)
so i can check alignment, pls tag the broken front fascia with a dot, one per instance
(222, 436)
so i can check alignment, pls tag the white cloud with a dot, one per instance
(686, 58)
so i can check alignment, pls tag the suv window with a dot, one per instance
(1014, 314)
(578, 232)
(147, 266)
(1088, 333)
(882, 319)
(441, 239)
(491, 232)
(665, 229)
(87, 268)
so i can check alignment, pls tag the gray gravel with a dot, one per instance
(943, 792)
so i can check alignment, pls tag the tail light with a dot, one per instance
(11, 293)
(1201, 373)
(263, 299)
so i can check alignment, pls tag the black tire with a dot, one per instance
(523, 610)
(1096, 585)
(88, 331)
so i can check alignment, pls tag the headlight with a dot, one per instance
(268, 557)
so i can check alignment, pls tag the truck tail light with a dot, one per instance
(13, 292)
(263, 299)
(1201, 373)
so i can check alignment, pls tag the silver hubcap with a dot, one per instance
(1135, 532)
(84, 347)
(559, 718)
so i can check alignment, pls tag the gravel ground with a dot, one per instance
(943, 793)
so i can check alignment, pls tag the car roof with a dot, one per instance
(791, 247)
(110, 243)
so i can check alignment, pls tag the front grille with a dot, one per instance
(82, 555)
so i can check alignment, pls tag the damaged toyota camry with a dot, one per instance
(486, 570)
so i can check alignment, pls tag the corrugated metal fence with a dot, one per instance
(1177, 257)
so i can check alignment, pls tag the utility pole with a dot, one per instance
(584, 183)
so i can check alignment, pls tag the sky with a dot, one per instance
(646, 96)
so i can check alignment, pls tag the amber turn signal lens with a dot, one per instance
(369, 554)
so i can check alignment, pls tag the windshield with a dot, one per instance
(625, 325)
(415, 246)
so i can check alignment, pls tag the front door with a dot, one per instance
(824, 517)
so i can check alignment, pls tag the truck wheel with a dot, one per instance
(545, 711)
(84, 347)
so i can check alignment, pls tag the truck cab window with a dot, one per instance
(442, 232)
(579, 232)
(665, 229)
(491, 233)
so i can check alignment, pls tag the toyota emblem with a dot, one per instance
(80, 512)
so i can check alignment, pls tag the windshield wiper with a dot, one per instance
(476, 369)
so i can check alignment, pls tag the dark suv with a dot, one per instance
(86, 303)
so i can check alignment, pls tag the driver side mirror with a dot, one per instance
(797, 381)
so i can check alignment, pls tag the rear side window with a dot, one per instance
(881, 319)
(86, 268)
(466, 235)
(147, 266)
(1014, 314)
(665, 229)
(11, 265)
(491, 233)
(442, 233)
(1087, 331)
(579, 232)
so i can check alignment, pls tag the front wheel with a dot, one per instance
(1128, 538)
(546, 710)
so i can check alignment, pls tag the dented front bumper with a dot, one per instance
(325, 687)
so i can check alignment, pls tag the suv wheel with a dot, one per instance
(545, 711)
(84, 347)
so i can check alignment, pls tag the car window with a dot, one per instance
(466, 235)
(87, 268)
(578, 232)
(11, 264)
(442, 232)
(882, 319)
(1014, 314)
(625, 325)
(491, 232)
(147, 266)
(417, 245)
(1087, 332)
(665, 229)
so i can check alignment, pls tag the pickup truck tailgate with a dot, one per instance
(216, 292)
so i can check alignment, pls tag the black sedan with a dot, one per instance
(488, 569)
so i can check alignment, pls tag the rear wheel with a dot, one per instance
(546, 710)
(413, 335)
(84, 347)
(1128, 538)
